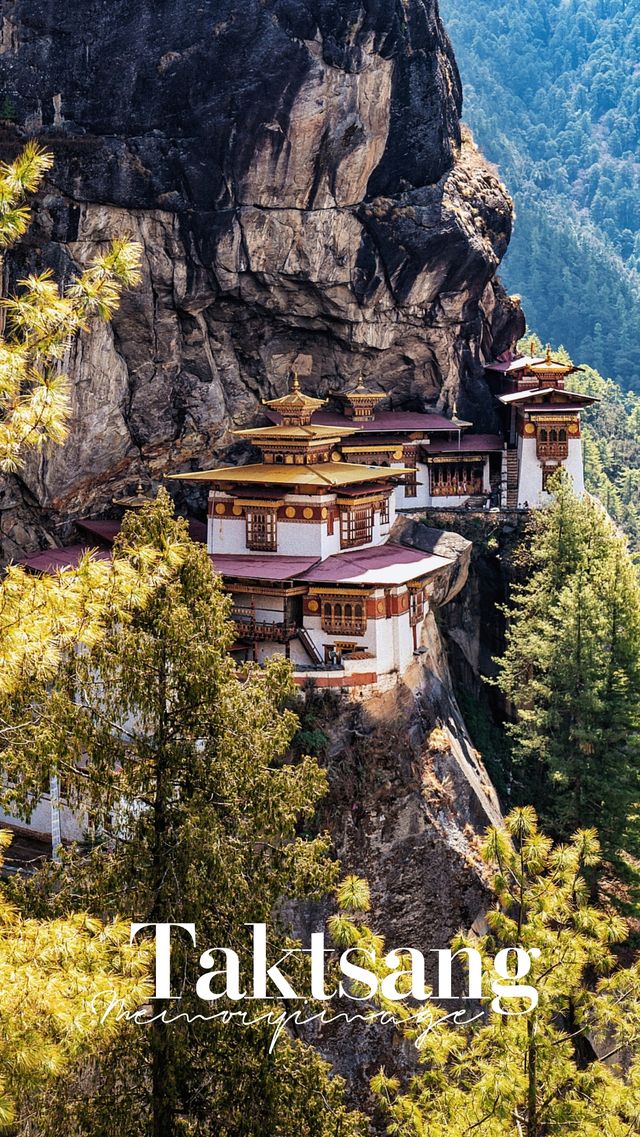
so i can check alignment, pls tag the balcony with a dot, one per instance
(353, 627)
(558, 450)
(265, 631)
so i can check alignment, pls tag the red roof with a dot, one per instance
(468, 442)
(384, 421)
(536, 393)
(107, 531)
(54, 560)
(382, 565)
(261, 566)
(515, 363)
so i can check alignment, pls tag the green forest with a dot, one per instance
(551, 93)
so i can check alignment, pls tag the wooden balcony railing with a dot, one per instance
(351, 627)
(552, 449)
(270, 631)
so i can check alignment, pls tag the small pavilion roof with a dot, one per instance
(107, 531)
(295, 399)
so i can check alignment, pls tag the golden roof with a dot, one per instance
(296, 433)
(323, 474)
(295, 399)
(549, 364)
(361, 392)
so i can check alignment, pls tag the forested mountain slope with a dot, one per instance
(552, 92)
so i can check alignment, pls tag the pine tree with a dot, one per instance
(51, 970)
(41, 618)
(181, 764)
(572, 671)
(563, 1067)
(52, 975)
(41, 320)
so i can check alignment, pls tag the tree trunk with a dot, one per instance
(532, 1087)
(164, 1096)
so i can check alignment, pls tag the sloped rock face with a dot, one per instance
(409, 797)
(295, 172)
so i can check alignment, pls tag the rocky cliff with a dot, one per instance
(297, 175)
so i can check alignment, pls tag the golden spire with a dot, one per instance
(532, 347)
(548, 359)
(133, 501)
(295, 408)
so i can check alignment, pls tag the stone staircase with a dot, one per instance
(309, 646)
(512, 479)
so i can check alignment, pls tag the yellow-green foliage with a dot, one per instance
(41, 320)
(51, 972)
(536, 1074)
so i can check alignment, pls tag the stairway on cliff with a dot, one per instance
(512, 479)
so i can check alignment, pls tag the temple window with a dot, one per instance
(384, 511)
(356, 526)
(262, 529)
(340, 616)
(552, 443)
(411, 484)
(452, 479)
(278, 459)
(416, 606)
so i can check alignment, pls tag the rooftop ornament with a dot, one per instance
(134, 501)
(295, 408)
(362, 402)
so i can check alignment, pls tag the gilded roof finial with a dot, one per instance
(294, 382)
(548, 359)
(532, 347)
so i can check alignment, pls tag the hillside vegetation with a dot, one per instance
(552, 94)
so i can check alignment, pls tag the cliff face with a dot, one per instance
(295, 172)
(408, 798)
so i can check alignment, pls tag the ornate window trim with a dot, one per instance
(356, 526)
(343, 615)
(262, 528)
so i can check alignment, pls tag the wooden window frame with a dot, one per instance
(344, 615)
(261, 529)
(356, 526)
(417, 606)
(411, 484)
